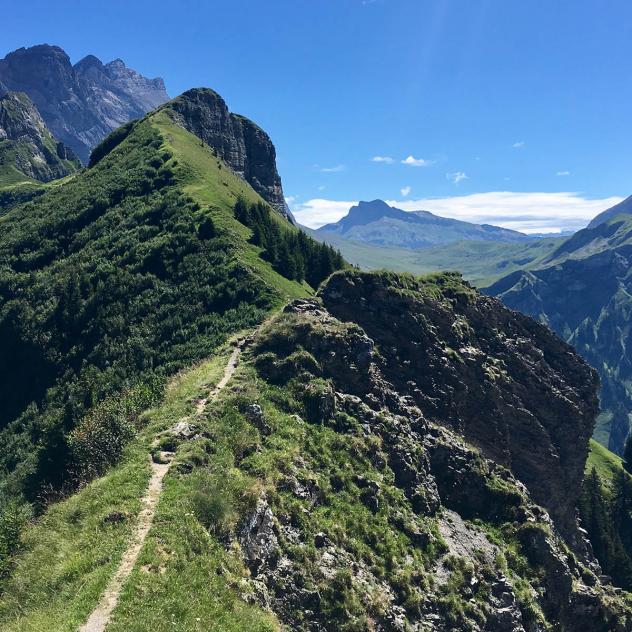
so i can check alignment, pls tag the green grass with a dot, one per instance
(211, 183)
(605, 462)
(71, 552)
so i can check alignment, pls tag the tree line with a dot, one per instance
(291, 252)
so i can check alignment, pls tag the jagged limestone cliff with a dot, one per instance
(28, 150)
(81, 103)
(245, 147)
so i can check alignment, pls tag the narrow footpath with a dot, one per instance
(100, 616)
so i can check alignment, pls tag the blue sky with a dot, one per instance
(479, 109)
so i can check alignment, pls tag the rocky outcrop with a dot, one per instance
(80, 104)
(26, 145)
(242, 144)
(481, 552)
(506, 383)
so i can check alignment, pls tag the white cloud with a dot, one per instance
(314, 213)
(416, 162)
(563, 173)
(335, 169)
(527, 212)
(519, 145)
(387, 159)
(290, 199)
(457, 176)
(405, 190)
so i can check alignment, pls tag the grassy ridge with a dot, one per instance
(71, 553)
(107, 279)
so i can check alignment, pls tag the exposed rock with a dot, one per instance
(254, 414)
(184, 430)
(242, 144)
(257, 538)
(27, 147)
(508, 384)
(80, 104)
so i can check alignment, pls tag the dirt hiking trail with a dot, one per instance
(100, 616)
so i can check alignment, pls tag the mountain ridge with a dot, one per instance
(80, 103)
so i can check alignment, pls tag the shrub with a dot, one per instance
(213, 506)
(98, 440)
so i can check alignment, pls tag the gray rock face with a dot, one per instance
(26, 145)
(80, 104)
(505, 382)
(469, 512)
(242, 144)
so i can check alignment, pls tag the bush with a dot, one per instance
(13, 518)
(213, 507)
(98, 440)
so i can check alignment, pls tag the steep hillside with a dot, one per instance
(606, 512)
(582, 291)
(329, 485)
(379, 224)
(126, 273)
(80, 104)
(28, 151)
(242, 144)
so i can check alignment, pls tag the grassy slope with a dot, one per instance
(71, 552)
(211, 183)
(605, 462)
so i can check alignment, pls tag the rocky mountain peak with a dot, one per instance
(242, 144)
(80, 104)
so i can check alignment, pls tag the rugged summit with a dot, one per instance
(504, 382)
(242, 144)
(28, 150)
(80, 104)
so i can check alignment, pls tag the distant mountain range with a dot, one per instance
(379, 224)
(81, 103)
(583, 291)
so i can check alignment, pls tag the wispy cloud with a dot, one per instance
(405, 190)
(387, 159)
(527, 212)
(416, 162)
(519, 145)
(322, 187)
(334, 169)
(290, 199)
(563, 173)
(457, 176)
